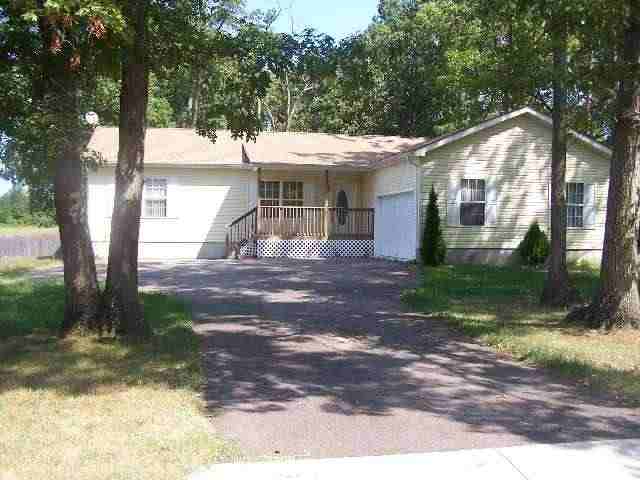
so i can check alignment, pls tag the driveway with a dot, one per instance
(319, 359)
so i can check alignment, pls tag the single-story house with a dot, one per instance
(317, 195)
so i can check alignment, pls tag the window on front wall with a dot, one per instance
(575, 205)
(287, 194)
(155, 197)
(472, 202)
(269, 194)
(292, 195)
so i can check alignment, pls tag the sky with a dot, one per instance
(338, 18)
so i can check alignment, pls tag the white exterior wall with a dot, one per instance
(200, 203)
(515, 159)
(399, 178)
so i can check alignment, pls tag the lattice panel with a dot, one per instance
(248, 248)
(303, 248)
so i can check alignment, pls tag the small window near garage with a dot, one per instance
(575, 205)
(269, 194)
(155, 197)
(472, 202)
(292, 194)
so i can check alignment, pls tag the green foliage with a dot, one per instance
(15, 209)
(434, 248)
(534, 248)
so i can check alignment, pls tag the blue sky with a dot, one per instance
(338, 18)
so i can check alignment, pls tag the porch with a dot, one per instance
(284, 231)
(305, 213)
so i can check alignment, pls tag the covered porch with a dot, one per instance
(305, 209)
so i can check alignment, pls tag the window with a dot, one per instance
(472, 202)
(155, 197)
(269, 194)
(287, 194)
(292, 195)
(575, 205)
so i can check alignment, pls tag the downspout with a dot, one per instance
(418, 199)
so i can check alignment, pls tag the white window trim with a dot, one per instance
(583, 205)
(281, 198)
(145, 197)
(483, 202)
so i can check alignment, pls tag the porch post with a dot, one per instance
(258, 218)
(326, 205)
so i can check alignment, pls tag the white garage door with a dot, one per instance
(395, 229)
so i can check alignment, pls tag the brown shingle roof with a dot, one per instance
(181, 146)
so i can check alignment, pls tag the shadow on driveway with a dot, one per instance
(318, 358)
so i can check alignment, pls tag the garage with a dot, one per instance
(395, 232)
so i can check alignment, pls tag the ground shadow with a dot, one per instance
(278, 331)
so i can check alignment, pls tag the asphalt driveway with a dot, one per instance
(319, 359)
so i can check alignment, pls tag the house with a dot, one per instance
(318, 195)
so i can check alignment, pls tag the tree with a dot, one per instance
(51, 52)
(123, 309)
(303, 62)
(121, 305)
(434, 248)
(617, 302)
(557, 290)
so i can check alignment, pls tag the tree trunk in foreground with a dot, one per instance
(121, 302)
(557, 291)
(58, 94)
(82, 294)
(617, 303)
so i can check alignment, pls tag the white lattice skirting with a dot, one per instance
(303, 248)
(248, 248)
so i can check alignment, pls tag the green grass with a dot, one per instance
(499, 306)
(9, 230)
(111, 409)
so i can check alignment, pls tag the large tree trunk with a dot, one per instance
(557, 291)
(80, 281)
(82, 293)
(617, 303)
(122, 305)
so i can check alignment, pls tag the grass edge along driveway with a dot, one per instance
(98, 408)
(499, 307)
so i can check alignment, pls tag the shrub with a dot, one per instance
(534, 248)
(434, 248)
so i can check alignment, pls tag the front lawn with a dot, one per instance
(94, 408)
(11, 230)
(499, 306)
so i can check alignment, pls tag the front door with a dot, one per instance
(343, 201)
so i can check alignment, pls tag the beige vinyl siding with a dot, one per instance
(200, 203)
(515, 159)
(397, 178)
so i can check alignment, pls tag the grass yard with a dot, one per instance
(10, 230)
(97, 408)
(499, 306)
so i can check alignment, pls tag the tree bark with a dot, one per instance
(557, 290)
(58, 93)
(196, 88)
(121, 301)
(617, 303)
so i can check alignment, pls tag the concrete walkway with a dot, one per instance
(613, 460)
(316, 359)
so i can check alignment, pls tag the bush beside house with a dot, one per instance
(434, 248)
(534, 248)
